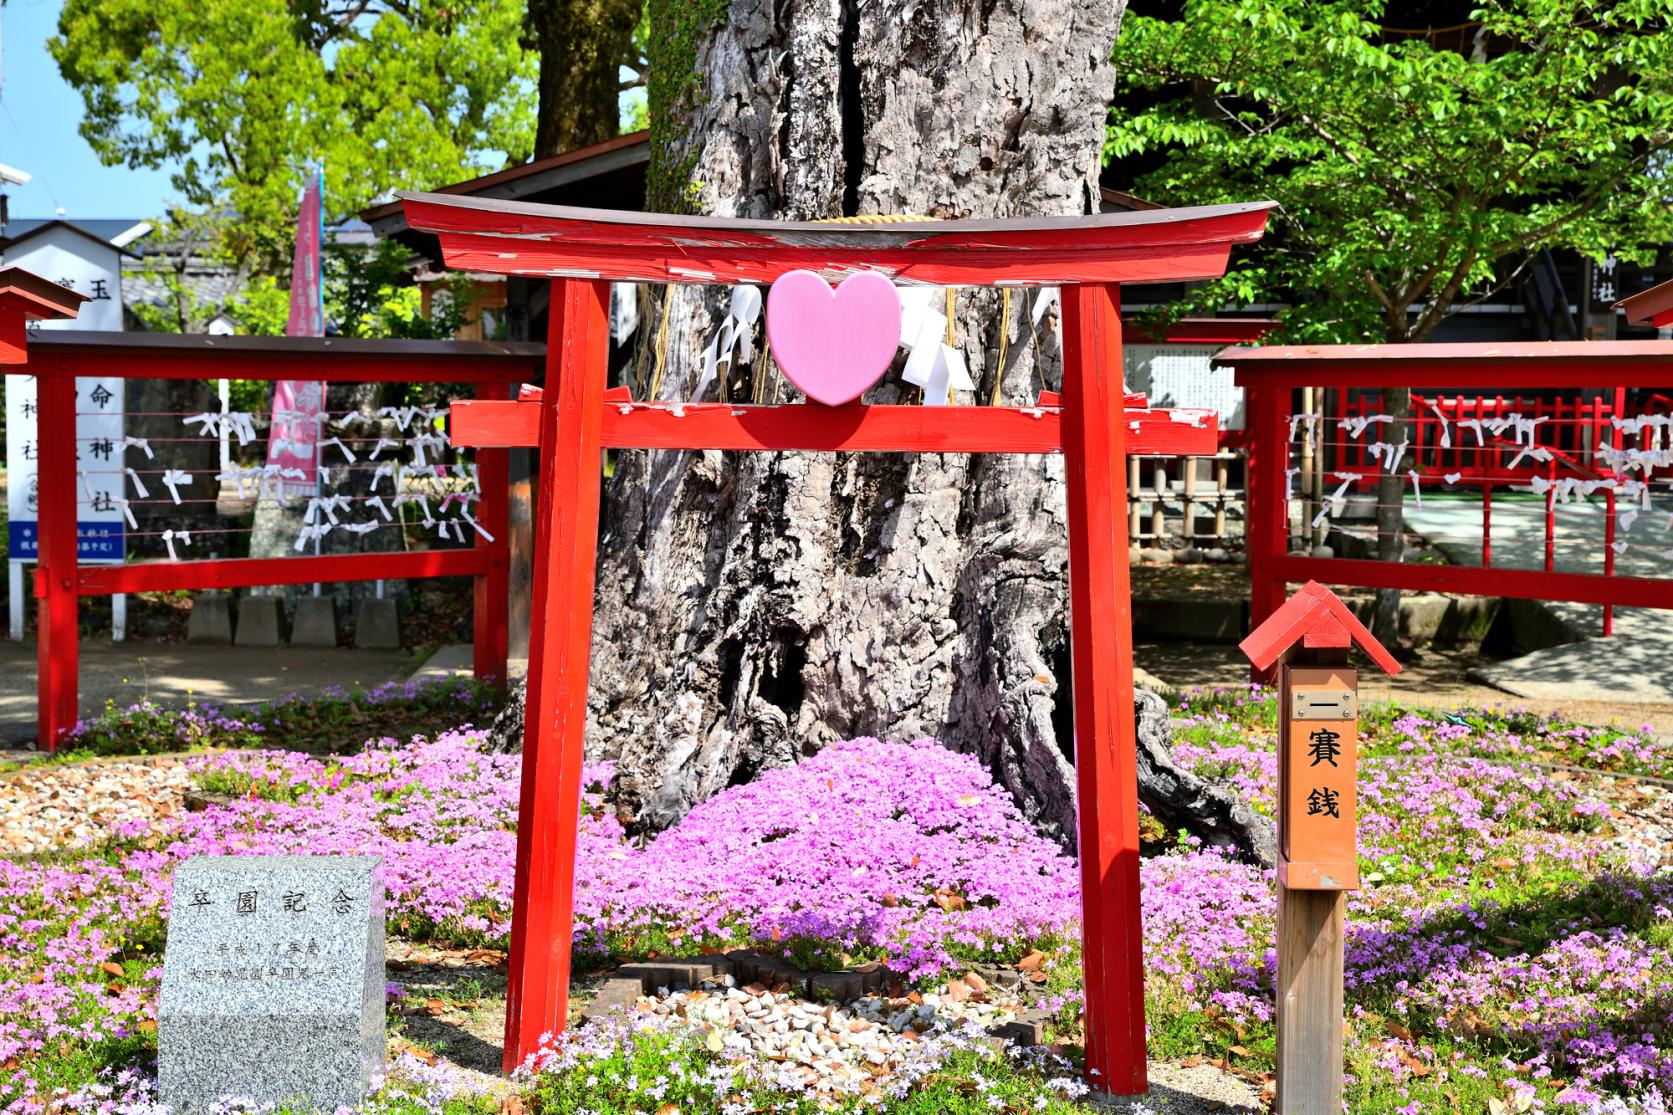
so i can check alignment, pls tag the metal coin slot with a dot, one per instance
(1324, 704)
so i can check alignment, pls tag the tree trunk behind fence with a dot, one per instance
(754, 607)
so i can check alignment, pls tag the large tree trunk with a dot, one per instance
(582, 45)
(754, 607)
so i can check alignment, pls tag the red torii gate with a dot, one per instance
(1092, 423)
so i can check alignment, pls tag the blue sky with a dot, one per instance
(39, 118)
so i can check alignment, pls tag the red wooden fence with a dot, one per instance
(57, 358)
(1500, 376)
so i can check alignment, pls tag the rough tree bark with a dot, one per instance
(754, 607)
(1181, 800)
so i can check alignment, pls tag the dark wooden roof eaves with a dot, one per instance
(533, 177)
(38, 297)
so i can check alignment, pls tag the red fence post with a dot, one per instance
(560, 644)
(491, 631)
(1267, 513)
(1101, 652)
(1609, 558)
(55, 570)
(1486, 523)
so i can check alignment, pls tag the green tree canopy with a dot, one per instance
(1413, 178)
(240, 98)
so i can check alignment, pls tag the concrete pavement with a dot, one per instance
(175, 673)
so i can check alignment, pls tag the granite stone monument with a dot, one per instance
(273, 981)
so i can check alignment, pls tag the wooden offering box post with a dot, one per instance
(1308, 638)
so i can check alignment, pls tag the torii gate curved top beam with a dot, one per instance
(1092, 422)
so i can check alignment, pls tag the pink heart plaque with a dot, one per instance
(833, 344)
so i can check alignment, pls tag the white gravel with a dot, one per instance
(53, 805)
(831, 1046)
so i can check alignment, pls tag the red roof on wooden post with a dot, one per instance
(1654, 306)
(24, 295)
(37, 297)
(1318, 618)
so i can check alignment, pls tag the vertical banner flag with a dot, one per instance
(299, 405)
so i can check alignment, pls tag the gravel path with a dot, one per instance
(45, 806)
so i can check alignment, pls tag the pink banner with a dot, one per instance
(299, 405)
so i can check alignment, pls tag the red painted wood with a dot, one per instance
(55, 573)
(893, 429)
(38, 296)
(545, 240)
(1521, 584)
(229, 573)
(14, 335)
(490, 616)
(954, 267)
(1529, 364)
(565, 549)
(1313, 617)
(1101, 649)
(1268, 516)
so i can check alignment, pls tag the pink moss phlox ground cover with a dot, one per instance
(1508, 930)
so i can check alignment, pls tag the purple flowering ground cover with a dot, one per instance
(1512, 950)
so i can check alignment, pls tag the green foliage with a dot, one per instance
(1412, 180)
(242, 98)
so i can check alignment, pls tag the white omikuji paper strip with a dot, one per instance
(1446, 430)
(931, 365)
(141, 444)
(174, 479)
(1312, 421)
(476, 526)
(1338, 499)
(402, 416)
(310, 532)
(383, 443)
(170, 537)
(139, 485)
(733, 340)
(1354, 427)
(127, 511)
(338, 442)
(1417, 488)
